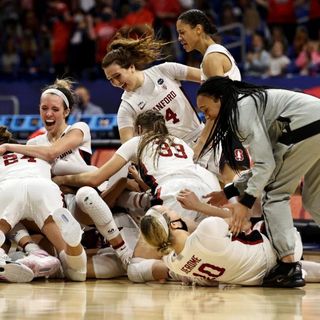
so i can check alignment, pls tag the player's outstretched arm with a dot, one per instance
(93, 178)
(189, 200)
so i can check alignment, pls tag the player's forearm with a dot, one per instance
(80, 180)
(203, 138)
(143, 185)
(213, 211)
(41, 152)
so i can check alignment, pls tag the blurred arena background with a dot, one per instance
(42, 40)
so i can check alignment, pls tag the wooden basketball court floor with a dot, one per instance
(121, 299)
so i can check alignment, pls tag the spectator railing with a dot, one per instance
(102, 126)
(14, 103)
(238, 41)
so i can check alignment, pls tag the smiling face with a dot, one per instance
(188, 36)
(53, 113)
(123, 78)
(209, 106)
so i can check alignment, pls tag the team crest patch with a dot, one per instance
(238, 155)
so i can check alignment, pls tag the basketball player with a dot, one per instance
(196, 32)
(282, 137)
(166, 164)
(27, 192)
(68, 148)
(211, 252)
(156, 88)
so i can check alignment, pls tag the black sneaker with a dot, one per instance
(284, 275)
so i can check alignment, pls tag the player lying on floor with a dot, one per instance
(211, 253)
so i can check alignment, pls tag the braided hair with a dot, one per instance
(226, 125)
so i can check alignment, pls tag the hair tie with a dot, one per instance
(163, 246)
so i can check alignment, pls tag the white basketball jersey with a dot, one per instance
(233, 73)
(17, 166)
(161, 91)
(174, 161)
(211, 253)
(171, 172)
(71, 162)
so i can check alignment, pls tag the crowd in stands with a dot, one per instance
(69, 37)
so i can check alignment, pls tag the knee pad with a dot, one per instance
(91, 203)
(85, 196)
(140, 270)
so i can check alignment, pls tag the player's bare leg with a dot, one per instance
(65, 233)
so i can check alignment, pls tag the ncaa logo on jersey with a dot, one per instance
(161, 82)
(238, 154)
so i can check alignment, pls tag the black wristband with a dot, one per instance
(247, 200)
(231, 191)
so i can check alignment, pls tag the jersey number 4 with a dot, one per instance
(13, 158)
(170, 115)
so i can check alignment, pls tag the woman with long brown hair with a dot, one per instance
(126, 66)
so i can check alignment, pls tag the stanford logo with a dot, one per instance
(238, 154)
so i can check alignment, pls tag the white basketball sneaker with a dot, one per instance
(70, 228)
(12, 271)
(41, 263)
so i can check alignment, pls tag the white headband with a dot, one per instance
(159, 216)
(58, 93)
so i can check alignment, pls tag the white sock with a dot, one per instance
(18, 232)
(132, 199)
(122, 250)
(31, 247)
(3, 253)
(2, 238)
